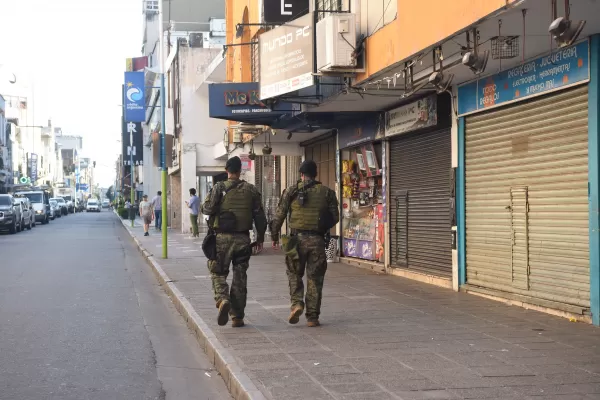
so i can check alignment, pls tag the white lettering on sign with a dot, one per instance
(285, 5)
(131, 127)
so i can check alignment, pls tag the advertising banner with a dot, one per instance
(34, 167)
(419, 114)
(278, 12)
(134, 98)
(287, 58)
(138, 143)
(564, 67)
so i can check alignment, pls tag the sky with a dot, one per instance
(74, 52)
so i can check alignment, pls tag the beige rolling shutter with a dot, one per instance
(527, 198)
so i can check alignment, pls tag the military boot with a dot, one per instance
(313, 323)
(237, 322)
(295, 314)
(223, 316)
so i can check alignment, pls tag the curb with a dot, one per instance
(239, 384)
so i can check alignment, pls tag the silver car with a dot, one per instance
(27, 213)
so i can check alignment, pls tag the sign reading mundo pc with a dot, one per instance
(286, 58)
(134, 97)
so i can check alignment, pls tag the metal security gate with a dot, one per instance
(527, 220)
(419, 193)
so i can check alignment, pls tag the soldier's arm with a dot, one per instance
(334, 207)
(212, 201)
(280, 215)
(258, 214)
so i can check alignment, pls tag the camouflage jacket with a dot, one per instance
(212, 205)
(284, 207)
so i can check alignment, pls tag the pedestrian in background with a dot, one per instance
(194, 206)
(232, 207)
(146, 213)
(157, 207)
(313, 209)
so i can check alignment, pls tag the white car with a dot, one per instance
(93, 205)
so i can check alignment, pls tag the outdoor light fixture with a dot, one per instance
(564, 32)
(475, 62)
(226, 46)
(239, 28)
(441, 81)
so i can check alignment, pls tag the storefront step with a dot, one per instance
(370, 265)
(574, 313)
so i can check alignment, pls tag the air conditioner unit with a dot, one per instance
(196, 39)
(217, 27)
(336, 41)
(244, 128)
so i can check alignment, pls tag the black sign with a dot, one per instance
(138, 143)
(359, 132)
(281, 11)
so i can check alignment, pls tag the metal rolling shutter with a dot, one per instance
(527, 200)
(419, 203)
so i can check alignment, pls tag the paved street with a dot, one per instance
(387, 338)
(82, 317)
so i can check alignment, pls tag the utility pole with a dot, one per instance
(163, 155)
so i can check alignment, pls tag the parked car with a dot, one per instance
(27, 213)
(105, 203)
(10, 214)
(55, 208)
(93, 205)
(62, 204)
(40, 199)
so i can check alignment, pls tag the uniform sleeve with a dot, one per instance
(280, 215)
(258, 214)
(212, 201)
(334, 207)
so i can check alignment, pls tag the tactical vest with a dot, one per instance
(239, 202)
(308, 216)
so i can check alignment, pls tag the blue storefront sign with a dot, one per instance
(562, 68)
(134, 98)
(241, 102)
(362, 131)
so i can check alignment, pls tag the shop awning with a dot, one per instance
(241, 102)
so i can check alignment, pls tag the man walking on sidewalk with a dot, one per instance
(232, 206)
(313, 209)
(146, 214)
(156, 204)
(194, 205)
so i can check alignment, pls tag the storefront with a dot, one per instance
(420, 182)
(362, 222)
(524, 133)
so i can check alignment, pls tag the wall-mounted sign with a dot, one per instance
(280, 11)
(134, 98)
(138, 143)
(34, 167)
(286, 58)
(362, 131)
(564, 67)
(419, 114)
(241, 102)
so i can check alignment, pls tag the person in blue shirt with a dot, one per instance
(194, 206)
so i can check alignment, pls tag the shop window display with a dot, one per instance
(362, 208)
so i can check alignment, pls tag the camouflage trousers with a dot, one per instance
(232, 248)
(312, 259)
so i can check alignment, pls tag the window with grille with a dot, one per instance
(255, 67)
(328, 5)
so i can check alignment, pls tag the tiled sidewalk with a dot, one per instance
(389, 338)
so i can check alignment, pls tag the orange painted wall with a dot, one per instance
(420, 24)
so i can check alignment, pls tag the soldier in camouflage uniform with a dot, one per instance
(232, 206)
(313, 209)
